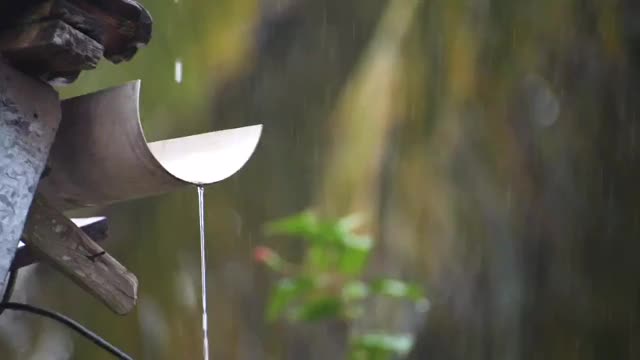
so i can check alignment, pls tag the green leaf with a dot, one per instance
(286, 291)
(353, 261)
(355, 291)
(354, 312)
(319, 259)
(304, 224)
(322, 309)
(351, 222)
(357, 242)
(399, 344)
(398, 289)
(307, 226)
(341, 233)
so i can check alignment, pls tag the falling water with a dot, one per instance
(203, 275)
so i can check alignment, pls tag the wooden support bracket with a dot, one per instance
(56, 239)
(96, 228)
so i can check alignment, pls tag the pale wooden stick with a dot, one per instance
(96, 228)
(56, 239)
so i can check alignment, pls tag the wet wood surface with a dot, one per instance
(29, 117)
(97, 229)
(57, 240)
(51, 50)
(55, 40)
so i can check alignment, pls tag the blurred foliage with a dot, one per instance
(329, 282)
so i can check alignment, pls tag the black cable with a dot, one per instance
(6, 305)
(69, 323)
(8, 288)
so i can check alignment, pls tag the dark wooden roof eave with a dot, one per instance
(55, 40)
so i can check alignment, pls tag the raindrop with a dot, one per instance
(543, 106)
(178, 71)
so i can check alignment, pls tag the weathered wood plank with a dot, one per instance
(56, 239)
(57, 39)
(97, 229)
(62, 10)
(29, 117)
(121, 26)
(50, 50)
(127, 26)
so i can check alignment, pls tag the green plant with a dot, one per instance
(328, 284)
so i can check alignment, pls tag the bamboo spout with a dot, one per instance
(100, 155)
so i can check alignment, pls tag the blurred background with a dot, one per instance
(491, 144)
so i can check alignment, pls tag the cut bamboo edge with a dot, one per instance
(100, 155)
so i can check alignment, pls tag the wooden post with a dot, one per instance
(29, 117)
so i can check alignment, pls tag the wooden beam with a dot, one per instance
(97, 229)
(29, 117)
(56, 239)
(127, 26)
(51, 50)
(120, 26)
(58, 10)
(57, 39)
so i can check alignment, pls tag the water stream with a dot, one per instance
(203, 275)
